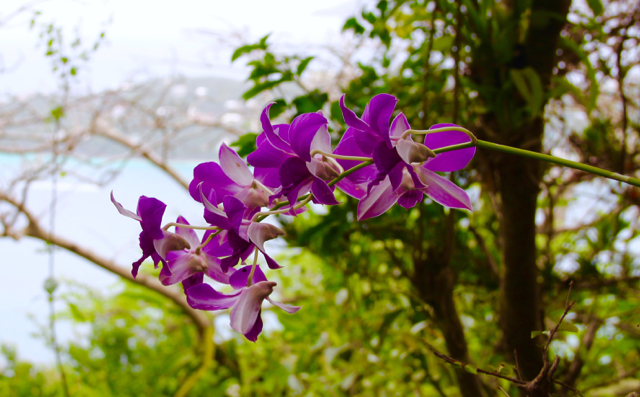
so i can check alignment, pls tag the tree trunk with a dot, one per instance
(517, 181)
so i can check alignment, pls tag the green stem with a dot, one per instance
(253, 268)
(201, 246)
(350, 171)
(303, 200)
(339, 156)
(544, 157)
(193, 227)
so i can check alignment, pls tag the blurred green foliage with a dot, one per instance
(370, 309)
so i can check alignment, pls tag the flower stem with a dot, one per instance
(441, 129)
(253, 268)
(350, 171)
(544, 157)
(201, 246)
(168, 225)
(339, 156)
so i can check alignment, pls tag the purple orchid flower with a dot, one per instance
(154, 241)
(406, 169)
(232, 177)
(288, 149)
(242, 235)
(245, 301)
(199, 258)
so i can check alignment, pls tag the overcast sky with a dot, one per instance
(144, 39)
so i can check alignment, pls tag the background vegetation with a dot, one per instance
(380, 296)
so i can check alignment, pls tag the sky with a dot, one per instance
(143, 40)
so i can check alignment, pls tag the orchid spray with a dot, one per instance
(377, 162)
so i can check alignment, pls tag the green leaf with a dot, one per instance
(57, 113)
(353, 24)
(529, 86)
(591, 72)
(596, 7)
(76, 313)
(258, 88)
(471, 369)
(567, 327)
(491, 368)
(303, 65)
(261, 45)
(245, 144)
(537, 333)
(311, 102)
(505, 369)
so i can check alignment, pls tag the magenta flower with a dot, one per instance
(232, 177)
(405, 169)
(242, 235)
(287, 149)
(198, 258)
(246, 301)
(154, 241)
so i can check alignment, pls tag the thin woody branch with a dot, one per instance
(35, 230)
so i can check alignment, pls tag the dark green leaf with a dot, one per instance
(246, 144)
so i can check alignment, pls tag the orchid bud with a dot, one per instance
(170, 242)
(324, 168)
(413, 152)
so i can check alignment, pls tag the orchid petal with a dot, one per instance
(287, 308)
(214, 269)
(321, 140)
(170, 242)
(355, 190)
(379, 114)
(269, 177)
(274, 139)
(443, 191)
(246, 310)
(180, 266)
(256, 330)
(234, 209)
(260, 232)
(146, 244)
(379, 199)
(268, 156)
(273, 265)
(303, 130)
(193, 280)
(351, 119)
(213, 214)
(213, 177)
(151, 210)
(124, 211)
(282, 130)
(410, 198)
(240, 278)
(322, 193)
(234, 167)
(204, 297)
(188, 234)
(448, 161)
(399, 126)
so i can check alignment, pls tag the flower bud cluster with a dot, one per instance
(376, 162)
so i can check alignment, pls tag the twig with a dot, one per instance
(517, 367)
(567, 307)
(502, 390)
